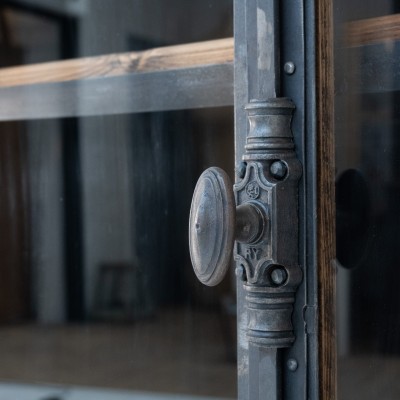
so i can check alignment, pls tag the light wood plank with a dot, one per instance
(159, 59)
(373, 30)
(169, 78)
(326, 246)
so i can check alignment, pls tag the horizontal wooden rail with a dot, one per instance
(176, 77)
(158, 59)
(373, 30)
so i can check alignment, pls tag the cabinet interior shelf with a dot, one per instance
(376, 30)
(185, 76)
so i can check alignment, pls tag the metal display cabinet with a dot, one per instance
(283, 221)
(278, 216)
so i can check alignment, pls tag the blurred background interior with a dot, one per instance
(367, 119)
(96, 284)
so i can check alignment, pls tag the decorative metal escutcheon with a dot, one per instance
(257, 221)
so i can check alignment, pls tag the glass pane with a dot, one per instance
(367, 117)
(47, 30)
(97, 288)
(98, 299)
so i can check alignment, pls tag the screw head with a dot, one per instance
(289, 68)
(279, 276)
(240, 273)
(278, 169)
(292, 364)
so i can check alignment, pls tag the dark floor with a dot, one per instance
(176, 352)
(369, 377)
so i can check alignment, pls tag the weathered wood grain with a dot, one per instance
(170, 78)
(372, 30)
(326, 202)
(112, 65)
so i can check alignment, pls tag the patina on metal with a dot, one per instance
(215, 223)
(262, 371)
(264, 224)
(271, 266)
(212, 226)
(268, 34)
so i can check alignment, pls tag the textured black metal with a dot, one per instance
(278, 169)
(297, 38)
(215, 223)
(270, 304)
(266, 386)
(292, 364)
(212, 226)
(279, 276)
(289, 68)
(309, 204)
(252, 371)
(252, 221)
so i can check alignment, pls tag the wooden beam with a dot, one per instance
(112, 65)
(372, 30)
(326, 246)
(170, 78)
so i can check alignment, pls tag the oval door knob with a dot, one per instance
(215, 222)
(212, 226)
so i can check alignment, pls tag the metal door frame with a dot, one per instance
(302, 33)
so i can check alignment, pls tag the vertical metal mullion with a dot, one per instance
(72, 179)
(241, 77)
(265, 31)
(257, 76)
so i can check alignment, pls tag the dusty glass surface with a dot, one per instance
(367, 118)
(98, 299)
(48, 30)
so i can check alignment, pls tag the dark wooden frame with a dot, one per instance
(325, 195)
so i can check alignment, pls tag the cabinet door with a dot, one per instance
(119, 108)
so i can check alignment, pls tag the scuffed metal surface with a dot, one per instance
(265, 32)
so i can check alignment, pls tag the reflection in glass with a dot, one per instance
(367, 119)
(95, 258)
(97, 292)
